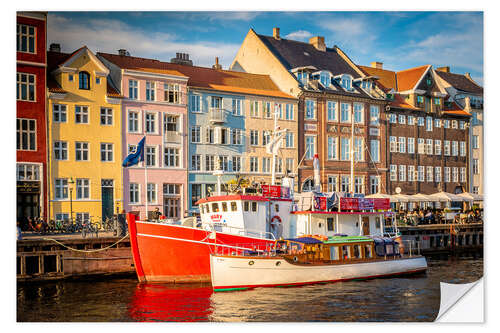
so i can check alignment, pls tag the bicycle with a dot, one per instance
(88, 228)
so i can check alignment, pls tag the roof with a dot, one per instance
(347, 239)
(386, 79)
(408, 78)
(455, 110)
(203, 77)
(460, 82)
(399, 102)
(305, 240)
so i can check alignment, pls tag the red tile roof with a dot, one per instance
(408, 78)
(203, 77)
(387, 79)
(455, 109)
(399, 102)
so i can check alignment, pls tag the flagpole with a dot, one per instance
(145, 167)
(273, 167)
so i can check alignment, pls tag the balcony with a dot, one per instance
(216, 116)
(173, 137)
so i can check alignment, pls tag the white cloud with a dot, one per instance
(301, 35)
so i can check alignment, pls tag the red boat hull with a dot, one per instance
(174, 253)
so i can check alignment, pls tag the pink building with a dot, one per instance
(155, 106)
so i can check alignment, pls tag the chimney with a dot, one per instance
(318, 42)
(445, 69)
(182, 59)
(377, 65)
(467, 103)
(217, 65)
(123, 52)
(54, 47)
(276, 33)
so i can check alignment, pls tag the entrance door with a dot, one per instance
(107, 198)
(366, 225)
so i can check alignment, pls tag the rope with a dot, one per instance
(87, 251)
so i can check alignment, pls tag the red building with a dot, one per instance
(31, 155)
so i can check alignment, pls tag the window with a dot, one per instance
(310, 147)
(254, 137)
(437, 123)
(150, 122)
(359, 184)
(430, 174)
(278, 108)
(332, 183)
(254, 108)
(345, 184)
(134, 193)
(25, 134)
(374, 115)
(195, 134)
(59, 113)
(196, 195)
(266, 137)
(133, 89)
(447, 178)
(81, 114)
(402, 144)
(61, 188)
(62, 216)
(454, 173)
(421, 173)
(266, 164)
(236, 136)
(421, 146)
(209, 162)
(332, 148)
(446, 148)
(171, 157)
(461, 124)
(331, 110)
(393, 172)
(420, 99)
(428, 147)
(223, 163)
(437, 147)
(345, 112)
(462, 148)
(454, 148)
(475, 166)
(254, 164)
(81, 151)
(392, 118)
(402, 173)
(302, 76)
(411, 145)
(358, 150)
(475, 120)
(106, 152)
(151, 193)
(402, 119)
(411, 120)
(266, 106)
(324, 78)
(437, 101)
(346, 82)
(84, 80)
(475, 189)
(454, 124)
(171, 93)
(289, 164)
(237, 107)
(374, 184)
(463, 175)
(150, 153)
(310, 109)
(375, 150)
(358, 113)
(278, 165)
(344, 149)
(411, 173)
(150, 91)
(27, 172)
(82, 188)
(437, 174)
(289, 113)
(60, 150)
(106, 116)
(236, 163)
(70, 77)
(195, 105)
(420, 121)
(26, 37)
(83, 217)
(289, 140)
(475, 141)
(393, 146)
(97, 80)
(446, 123)
(428, 123)
(25, 87)
(133, 122)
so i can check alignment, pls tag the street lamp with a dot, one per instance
(71, 182)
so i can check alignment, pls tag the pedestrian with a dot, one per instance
(156, 214)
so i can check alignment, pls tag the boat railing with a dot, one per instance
(411, 247)
(244, 231)
(246, 250)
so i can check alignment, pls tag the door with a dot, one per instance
(366, 225)
(107, 198)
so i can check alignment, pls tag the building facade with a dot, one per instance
(340, 110)
(31, 149)
(154, 107)
(84, 136)
(427, 136)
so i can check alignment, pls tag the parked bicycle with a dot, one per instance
(88, 228)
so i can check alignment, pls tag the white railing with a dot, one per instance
(217, 115)
(173, 137)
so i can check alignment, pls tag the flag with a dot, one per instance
(135, 157)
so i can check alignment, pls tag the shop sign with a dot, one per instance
(374, 131)
(28, 187)
(310, 127)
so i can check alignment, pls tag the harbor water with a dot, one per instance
(414, 298)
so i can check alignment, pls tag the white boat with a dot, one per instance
(306, 260)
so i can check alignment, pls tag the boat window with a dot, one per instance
(254, 206)
(224, 207)
(320, 225)
(368, 251)
(233, 206)
(277, 207)
(357, 251)
(334, 253)
(215, 207)
(207, 208)
(389, 248)
(246, 206)
(329, 222)
(380, 249)
(346, 252)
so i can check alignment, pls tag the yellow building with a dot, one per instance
(84, 137)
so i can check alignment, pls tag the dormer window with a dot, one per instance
(346, 82)
(324, 78)
(302, 76)
(84, 80)
(366, 85)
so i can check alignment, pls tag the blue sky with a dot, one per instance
(398, 39)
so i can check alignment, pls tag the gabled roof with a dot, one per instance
(399, 102)
(460, 82)
(455, 110)
(386, 79)
(409, 78)
(203, 77)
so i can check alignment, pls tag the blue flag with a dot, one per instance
(135, 157)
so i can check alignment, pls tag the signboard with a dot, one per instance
(320, 203)
(310, 127)
(381, 203)
(285, 192)
(349, 203)
(374, 131)
(28, 187)
(272, 191)
(365, 204)
(216, 218)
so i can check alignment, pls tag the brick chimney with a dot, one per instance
(276, 33)
(377, 64)
(123, 52)
(54, 47)
(217, 65)
(318, 42)
(182, 59)
(467, 103)
(445, 69)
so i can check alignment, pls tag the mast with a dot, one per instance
(352, 150)
(145, 165)
(273, 167)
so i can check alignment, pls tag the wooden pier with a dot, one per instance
(44, 258)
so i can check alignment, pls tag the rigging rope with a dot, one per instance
(87, 251)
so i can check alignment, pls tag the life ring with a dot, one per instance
(275, 217)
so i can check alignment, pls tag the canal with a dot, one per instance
(122, 299)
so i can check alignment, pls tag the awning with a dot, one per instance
(471, 196)
(422, 197)
(404, 198)
(446, 197)
(382, 196)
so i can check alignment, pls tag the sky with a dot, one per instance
(399, 40)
